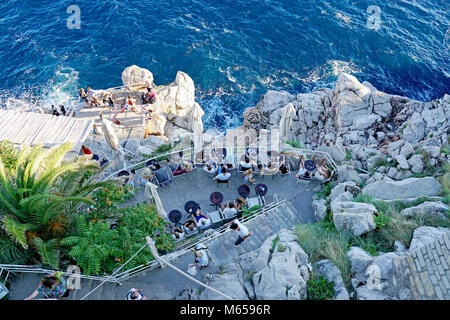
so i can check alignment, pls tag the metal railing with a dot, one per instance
(36, 269)
(178, 252)
(190, 246)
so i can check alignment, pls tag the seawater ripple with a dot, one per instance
(234, 50)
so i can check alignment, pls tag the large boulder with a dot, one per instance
(319, 208)
(340, 189)
(285, 273)
(274, 100)
(229, 282)
(335, 151)
(365, 121)
(348, 173)
(423, 236)
(428, 208)
(134, 75)
(329, 271)
(415, 129)
(354, 217)
(416, 163)
(409, 188)
(185, 97)
(350, 100)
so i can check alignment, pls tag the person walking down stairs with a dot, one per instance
(241, 230)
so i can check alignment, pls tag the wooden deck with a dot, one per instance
(36, 128)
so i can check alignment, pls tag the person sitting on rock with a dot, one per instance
(83, 94)
(283, 167)
(62, 109)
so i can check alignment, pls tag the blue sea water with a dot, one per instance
(234, 50)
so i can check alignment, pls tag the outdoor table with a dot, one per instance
(152, 162)
(188, 208)
(123, 173)
(216, 198)
(261, 189)
(244, 191)
(174, 216)
(310, 165)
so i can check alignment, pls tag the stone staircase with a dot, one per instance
(223, 251)
(164, 283)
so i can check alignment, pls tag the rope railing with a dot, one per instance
(117, 278)
(186, 248)
(35, 269)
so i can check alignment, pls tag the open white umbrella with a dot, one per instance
(288, 114)
(110, 136)
(157, 200)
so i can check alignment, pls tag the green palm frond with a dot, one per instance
(48, 251)
(16, 230)
(10, 251)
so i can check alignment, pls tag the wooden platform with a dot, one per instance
(36, 128)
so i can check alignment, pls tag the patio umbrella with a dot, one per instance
(288, 114)
(197, 126)
(110, 136)
(157, 200)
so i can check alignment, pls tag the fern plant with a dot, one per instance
(93, 246)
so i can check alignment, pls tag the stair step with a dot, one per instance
(85, 287)
(98, 293)
(109, 291)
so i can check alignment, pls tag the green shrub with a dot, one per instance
(162, 149)
(325, 191)
(319, 288)
(248, 212)
(320, 241)
(8, 155)
(381, 220)
(295, 144)
(274, 243)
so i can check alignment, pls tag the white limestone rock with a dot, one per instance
(416, 163)
(409, 188)
(329, 271)
(354, 217)
(415, 129)
(274, 100)
(428, 208)
(135, 75)
(402, 163)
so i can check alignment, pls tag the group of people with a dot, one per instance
(58, 111)
(320, 170)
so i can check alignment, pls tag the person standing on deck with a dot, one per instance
(148, 175)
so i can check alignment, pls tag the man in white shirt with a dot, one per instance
(201, 259)
(224, 176)
(241, 230)
(229, 211)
